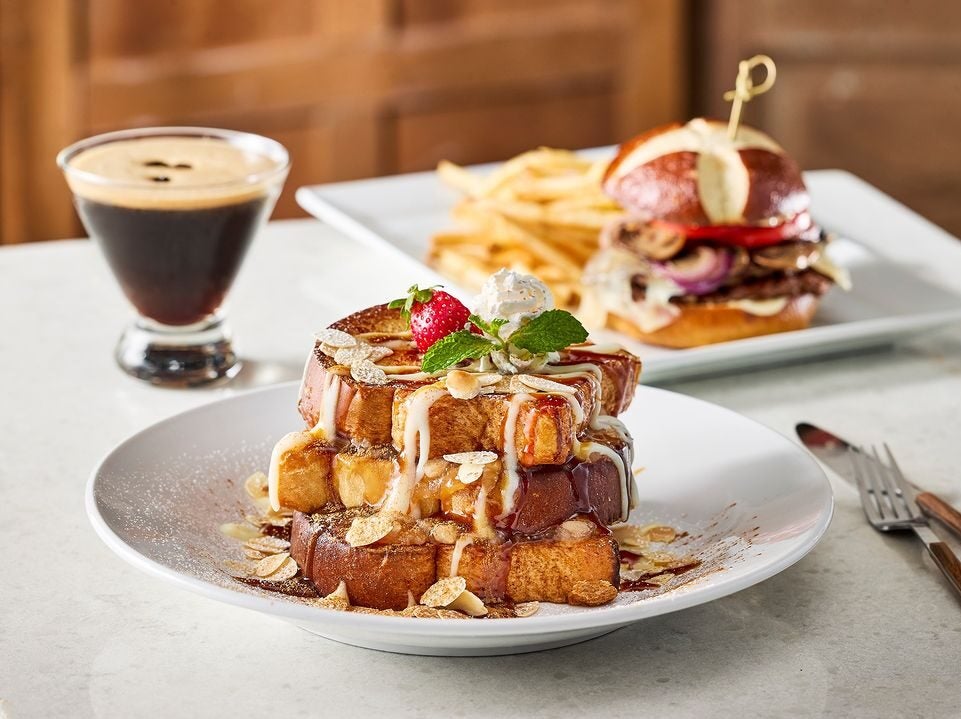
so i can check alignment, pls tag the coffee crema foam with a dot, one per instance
(170, 173)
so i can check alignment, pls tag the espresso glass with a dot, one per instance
(174, 211)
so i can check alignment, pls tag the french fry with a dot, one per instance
(458, 178)
(539, 212)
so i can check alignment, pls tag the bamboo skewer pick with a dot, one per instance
(745, 89)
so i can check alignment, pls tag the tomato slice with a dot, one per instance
(741, 235)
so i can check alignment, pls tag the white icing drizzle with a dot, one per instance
(412, 461)
(462, 541)
(510, 454)
(482, 525)
(326, 427)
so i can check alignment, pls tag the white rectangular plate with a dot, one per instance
(906, 271)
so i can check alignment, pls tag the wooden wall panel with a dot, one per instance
(41, 110)
(424, 138)
(367, 87)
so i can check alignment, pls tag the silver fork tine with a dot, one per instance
(900, 482)
(868, 501)
(874, 487)
(891, 493)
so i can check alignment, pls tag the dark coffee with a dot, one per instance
(174, 264)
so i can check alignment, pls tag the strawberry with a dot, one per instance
(432, 314)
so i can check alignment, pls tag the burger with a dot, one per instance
(717, 242)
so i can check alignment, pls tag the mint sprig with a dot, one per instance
(550, 331)
(455, 348)
(493, 328)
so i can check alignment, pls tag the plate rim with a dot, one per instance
(611, 616)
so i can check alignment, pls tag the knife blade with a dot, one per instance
(833, 451)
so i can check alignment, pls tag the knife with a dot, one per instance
(832, 451)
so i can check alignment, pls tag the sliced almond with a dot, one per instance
(422, 612)
(661, 533)
(254, 554)
(451, 593)
(239, 530)
(269, 565)
(352, 355)
(335, 338)
(287, 570)
(630, 534)
(462, 385)
(367, 372)
(256, 485)
(268, 545)
(469, 473)
(468, 603)
(367, 530)
(444, 591)
(544, 385)
(471, 457)
(526, 609)
(489, 378)
(275, 519)
(591, 593)
(378, 352)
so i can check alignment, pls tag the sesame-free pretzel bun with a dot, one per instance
(694, 174)
(706, 324)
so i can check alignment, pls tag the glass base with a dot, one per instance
(177, 356)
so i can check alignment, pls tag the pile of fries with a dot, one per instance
(538, 213)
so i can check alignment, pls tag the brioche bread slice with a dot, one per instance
(312, 476)
(395, 572)
(367, 413)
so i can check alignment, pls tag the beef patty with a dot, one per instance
(778, 284)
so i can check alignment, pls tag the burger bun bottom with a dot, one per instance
(709, 324)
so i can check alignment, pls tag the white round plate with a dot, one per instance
(752, 502)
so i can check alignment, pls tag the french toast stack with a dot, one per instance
(403, 478)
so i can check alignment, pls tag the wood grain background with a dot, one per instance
(371, 87)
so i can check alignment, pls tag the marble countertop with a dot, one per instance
(863, 626)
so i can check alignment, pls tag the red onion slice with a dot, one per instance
(699, 272)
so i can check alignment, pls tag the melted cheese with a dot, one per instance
(840, 275)
(760, 308)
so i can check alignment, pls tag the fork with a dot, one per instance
(889, 505)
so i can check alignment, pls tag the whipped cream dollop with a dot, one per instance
(517, 298)
(514, 297)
